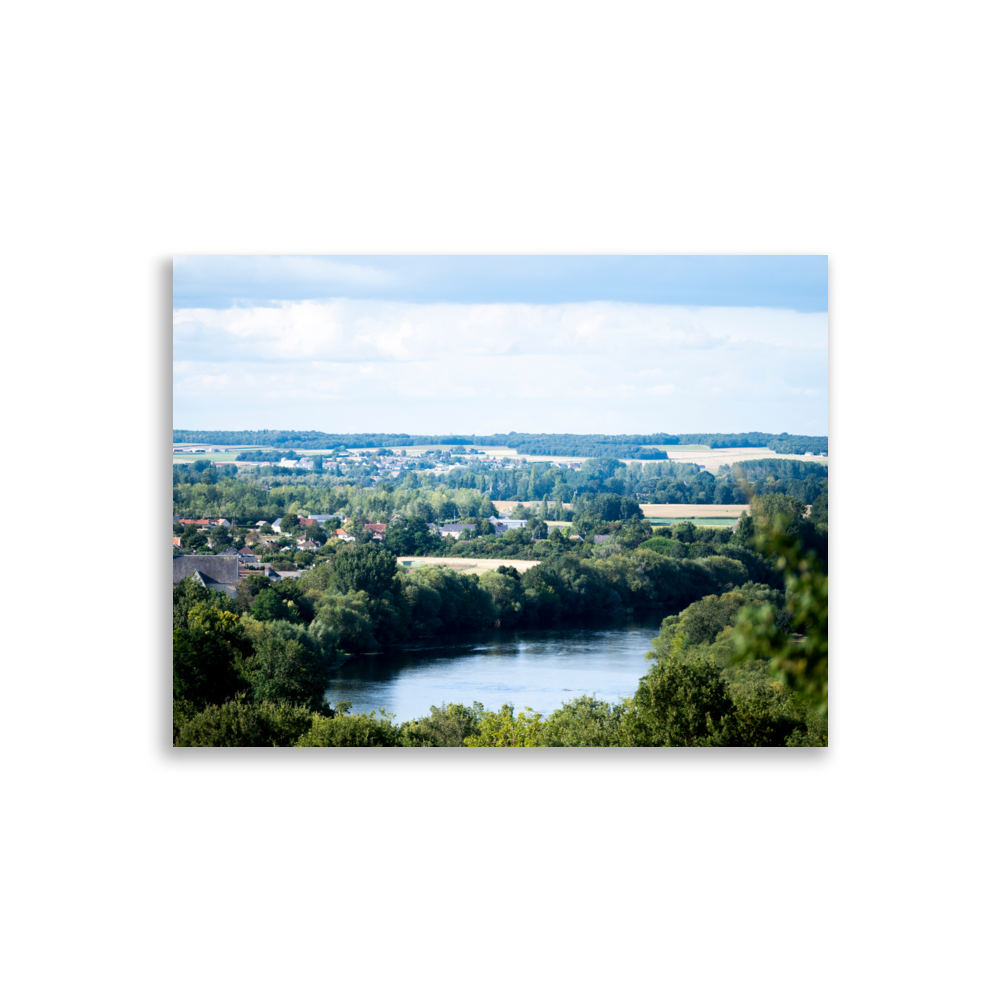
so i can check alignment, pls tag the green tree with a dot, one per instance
(345, 730)
(203, 668)
(504, 729)
(365, 567)
(239, 723)
(584, 722)
(506, 593)
(284, 667)
(798, 653)
(447, 726)
(681, 701)
(269, 606)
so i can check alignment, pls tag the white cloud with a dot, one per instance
(619, 368)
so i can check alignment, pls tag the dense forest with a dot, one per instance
(740, 660)
(624, 446)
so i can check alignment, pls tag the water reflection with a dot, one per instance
(537, 667)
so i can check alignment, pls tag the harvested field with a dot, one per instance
(477, 566)
(698, 522)
(506, 506)
(214, 456)
(689, 510)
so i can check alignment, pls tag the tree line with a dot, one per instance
(581, 445)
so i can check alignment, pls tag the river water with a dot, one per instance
(538, 667)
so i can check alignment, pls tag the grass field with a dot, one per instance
(477, 566)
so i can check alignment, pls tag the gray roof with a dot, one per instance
(458, 528)
(213, 569)
(598, 539)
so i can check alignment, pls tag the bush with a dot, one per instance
(363, 730)
(241, 724)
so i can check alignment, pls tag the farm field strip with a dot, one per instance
(225, 456)
(688, 510)
(477, 566)
(698, 522)
(505, 506)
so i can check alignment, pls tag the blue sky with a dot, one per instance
(490, 344)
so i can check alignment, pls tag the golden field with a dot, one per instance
(477, 566)
(692, 509)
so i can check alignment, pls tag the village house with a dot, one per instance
(500, 526)
(214, 572)
(453, 530)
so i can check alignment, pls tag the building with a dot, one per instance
(499, 527)
(215, 572)
(454, 530)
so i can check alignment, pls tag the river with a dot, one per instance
(538, 667)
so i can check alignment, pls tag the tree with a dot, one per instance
(221, 538)
(269, 605)
(584, 722)
(447, 510)
(240, 723)
(248, 589)
(345, 730)
(744, 533)
(679, 702)
(506, 593)
(205, 670)
(284, 668)
(723, 494)
(504, 729)
(365, 567)
(289, 524)
(410, 536)
(798, 656)
(447, 726)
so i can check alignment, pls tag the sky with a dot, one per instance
(490, 344)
